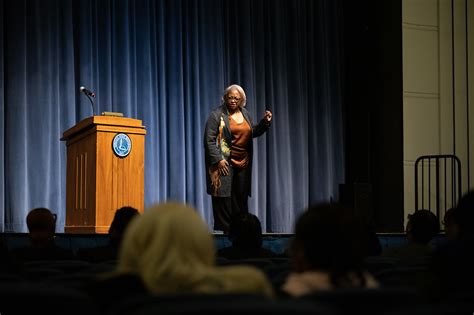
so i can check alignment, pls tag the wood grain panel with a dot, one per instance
(99, 182)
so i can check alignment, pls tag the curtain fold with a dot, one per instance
(2, 115)
(167, 63)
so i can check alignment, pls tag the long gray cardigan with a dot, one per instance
(214, 153)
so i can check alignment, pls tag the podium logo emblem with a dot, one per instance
(122, 145)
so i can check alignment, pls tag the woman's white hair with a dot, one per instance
(243, 100)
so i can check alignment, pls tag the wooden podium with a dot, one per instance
(105, 171)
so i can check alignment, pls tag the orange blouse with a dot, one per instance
(241, 135)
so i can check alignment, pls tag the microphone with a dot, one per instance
(89, 95)
(86, 91)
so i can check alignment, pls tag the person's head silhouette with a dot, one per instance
(246, 231)
(451, 224)
(122, 218)
(422, 226)
(465, 215)
(329, 238)
(41, 226)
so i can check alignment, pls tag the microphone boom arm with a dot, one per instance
(92, 103)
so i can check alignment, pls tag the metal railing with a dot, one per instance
(437, 183)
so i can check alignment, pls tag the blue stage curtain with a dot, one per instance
(167, 63)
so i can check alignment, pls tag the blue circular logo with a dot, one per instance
(122, 145)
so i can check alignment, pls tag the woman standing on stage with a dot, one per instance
(228, 149)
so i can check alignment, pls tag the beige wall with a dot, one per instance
(435, 122)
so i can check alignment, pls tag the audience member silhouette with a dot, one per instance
(245, 232)
(454, 262)
(171, 249)
(421, 228)
(41, 225)
(451, 224)
(121, 220)
(328, 251)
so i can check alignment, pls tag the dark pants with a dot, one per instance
(225, 208)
